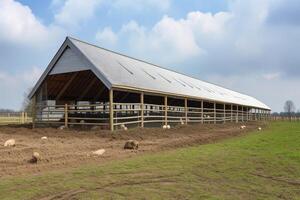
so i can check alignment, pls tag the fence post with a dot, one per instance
(25, 117)
(231, 114)
(237, 114)
(166, 110)
(215, 114)
(224, 113)
(111, 109)
(66, 115)
(202, 113)
(186, 110)
(142, 110)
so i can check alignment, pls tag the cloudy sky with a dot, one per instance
(251, 46)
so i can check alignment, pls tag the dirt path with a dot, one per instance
(71, 148)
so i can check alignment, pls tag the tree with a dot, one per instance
(27, 104)
(289, 108)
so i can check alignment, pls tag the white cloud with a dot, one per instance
(140, 5)
(18, 25)
(14, 85)
(106, 36)
(174, 40)
(74, 12)
(271, 76)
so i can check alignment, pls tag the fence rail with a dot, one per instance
(14, 118)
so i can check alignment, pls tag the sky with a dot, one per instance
(250, 46)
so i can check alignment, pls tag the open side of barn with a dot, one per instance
(88, 85)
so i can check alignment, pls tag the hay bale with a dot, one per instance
(35, 158)
(98, 152)
(10, 143)
(131, 144)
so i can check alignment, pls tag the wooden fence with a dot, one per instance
(137, 114)
(14, 118)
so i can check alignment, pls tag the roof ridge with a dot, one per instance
(121, 54)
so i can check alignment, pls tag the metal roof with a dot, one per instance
(120, 71)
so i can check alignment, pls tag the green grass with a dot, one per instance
(261, 165)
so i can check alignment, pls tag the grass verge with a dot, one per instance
(261, 165)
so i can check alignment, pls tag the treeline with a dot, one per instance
(286, 114)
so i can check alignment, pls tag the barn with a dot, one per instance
(88, 85)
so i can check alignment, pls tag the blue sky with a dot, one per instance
(246, 45)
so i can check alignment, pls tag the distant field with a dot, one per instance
(10, 120)
(259, 165)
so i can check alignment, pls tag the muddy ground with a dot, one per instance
(72, 148)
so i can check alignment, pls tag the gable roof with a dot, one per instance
(120, 71)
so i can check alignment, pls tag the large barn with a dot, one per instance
(87, 85)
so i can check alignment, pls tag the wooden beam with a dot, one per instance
(66, 86)
(98, 95)
(186, 110)
(66, 115)
(237, 114)
(215, 113)
(142, 110)
(202, 113)
(224, 113)
(87, 88)
(242, 113)
(111, 109)
(166, 110)
(231, 113)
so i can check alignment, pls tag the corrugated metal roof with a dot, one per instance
(117, 70)
(122, 70)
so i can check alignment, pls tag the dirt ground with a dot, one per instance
(72, 148)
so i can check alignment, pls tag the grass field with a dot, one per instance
(260, 165)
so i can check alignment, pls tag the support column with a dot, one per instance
(166, 110)
(247, 111)
(111, 109)
(33, 110)
(242, 113)
(237, 114)
(202, 112)
(224, 113)
(66, 115)
(142, 109)
(215, 114)
(186, 110)
(231, 113)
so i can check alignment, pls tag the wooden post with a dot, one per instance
(22, 118)
(202, 113)
(111, 109)
(215, 114)
(186, 110)
(33, 110)
(166, 110)
(247, 113)
(242, 113)
(231, 114)
(25, 117)
(66, 116)
(237, 114)
(142, 110)
(224, 113)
